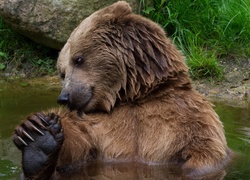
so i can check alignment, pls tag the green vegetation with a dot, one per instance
(206, 31)
(20, 55)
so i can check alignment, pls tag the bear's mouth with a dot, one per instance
(79, 110)
(76, 102)
(79, 99)
(79, 103)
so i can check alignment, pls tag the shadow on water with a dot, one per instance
(17, 101)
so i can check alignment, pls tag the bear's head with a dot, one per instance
(117, 56)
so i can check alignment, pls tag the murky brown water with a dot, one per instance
(17, 100)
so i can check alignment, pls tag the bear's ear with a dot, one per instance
(121, 8)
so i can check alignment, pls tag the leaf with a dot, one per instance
(2, 66)
(148, 10)
(2, 54)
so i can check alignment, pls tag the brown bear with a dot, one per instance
(130, 99)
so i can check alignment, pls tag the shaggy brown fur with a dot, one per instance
(133, 98)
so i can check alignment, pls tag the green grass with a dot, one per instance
(19, 54)
(206, 31)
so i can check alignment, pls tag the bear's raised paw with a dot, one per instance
(39, 138)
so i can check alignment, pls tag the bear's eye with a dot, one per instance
(77, 61)
(62, 76)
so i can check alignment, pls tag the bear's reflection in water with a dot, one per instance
(132, 171)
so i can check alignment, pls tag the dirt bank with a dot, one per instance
(233, 89)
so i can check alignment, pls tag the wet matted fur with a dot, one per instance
(130, 100)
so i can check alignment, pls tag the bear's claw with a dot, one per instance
(39, 138)
(50, 123)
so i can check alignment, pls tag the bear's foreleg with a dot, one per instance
(204, 160)
(52, 142)
(78, 148)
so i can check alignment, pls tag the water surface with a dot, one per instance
(17, 100)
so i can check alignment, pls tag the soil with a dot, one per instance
(233, 89)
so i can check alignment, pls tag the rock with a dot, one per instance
(50, 22)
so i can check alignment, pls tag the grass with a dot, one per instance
(20, 55)
(206, 31)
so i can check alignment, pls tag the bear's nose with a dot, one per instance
(63, 98)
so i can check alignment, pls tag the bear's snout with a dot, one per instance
(77, 99)
(63, 98)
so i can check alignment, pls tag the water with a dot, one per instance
(237, 127)
(18, 100)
